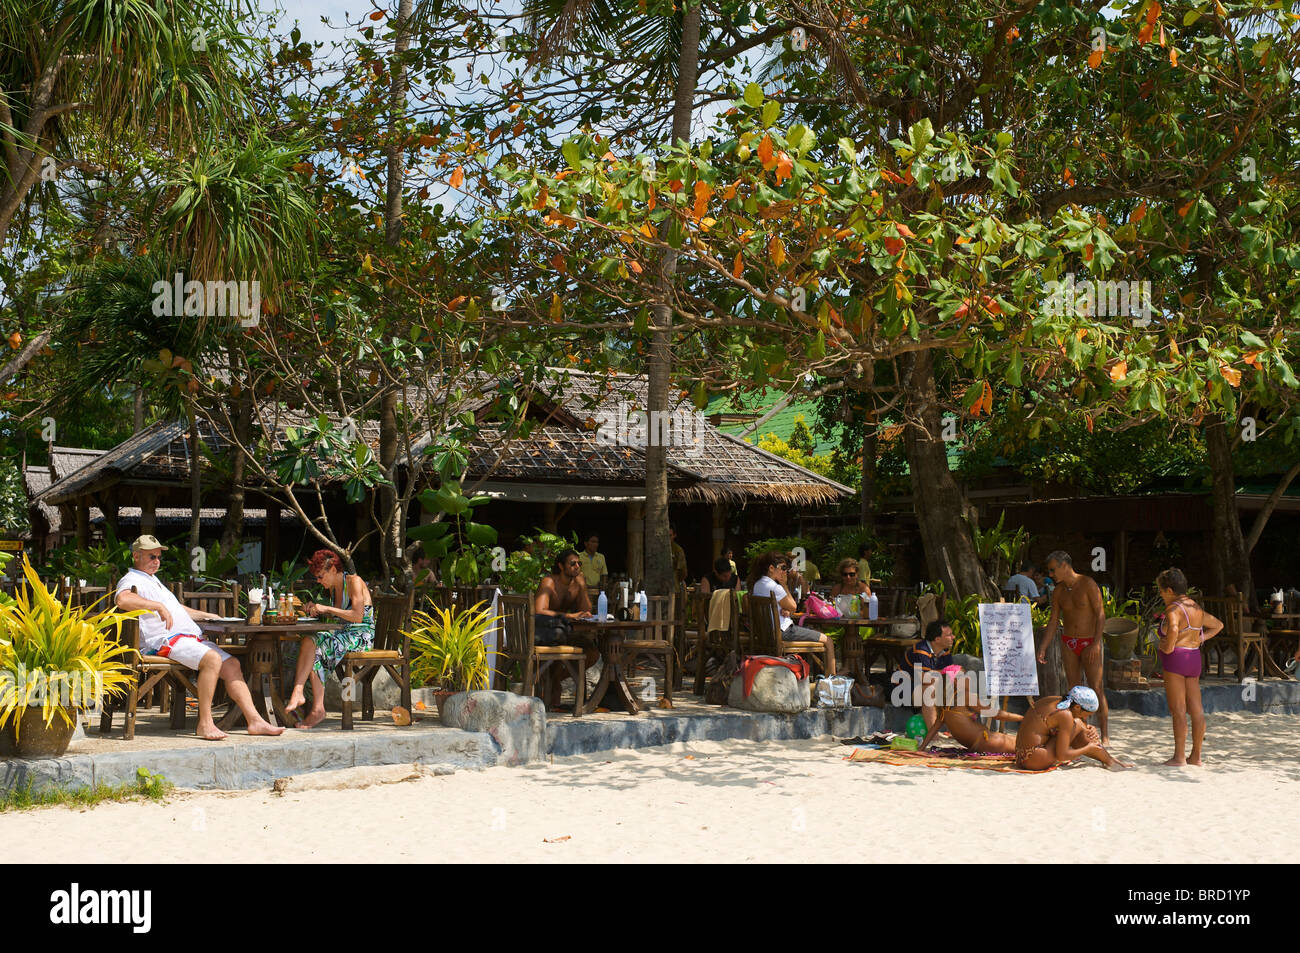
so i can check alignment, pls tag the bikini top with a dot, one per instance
(1199, 629)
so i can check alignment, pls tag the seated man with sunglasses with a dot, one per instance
(770, 574)
(169, 630)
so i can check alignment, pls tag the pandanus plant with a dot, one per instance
(50, 652)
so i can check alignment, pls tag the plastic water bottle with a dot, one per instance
(644, 603)
(873, 607)
(602, 606)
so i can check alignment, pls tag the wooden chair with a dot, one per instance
(766, 634)
(660, 642)
(681, 641)
(149, 671)
(893, 599)
(714, 643)
(391, 652)
(1232, 611)
(86, 596)
(521, 646)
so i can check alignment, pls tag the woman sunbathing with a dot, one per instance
(967, 729)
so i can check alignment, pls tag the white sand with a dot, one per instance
(732, 801)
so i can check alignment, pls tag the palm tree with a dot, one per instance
(113, 67)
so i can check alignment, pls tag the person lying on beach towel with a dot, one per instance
(963, 721)
(1056, 730)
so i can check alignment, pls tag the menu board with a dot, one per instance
(1007, 637)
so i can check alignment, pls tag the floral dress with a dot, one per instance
(333, 644)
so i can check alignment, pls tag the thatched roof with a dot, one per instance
(563, 449)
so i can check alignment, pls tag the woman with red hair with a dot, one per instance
(319, 654)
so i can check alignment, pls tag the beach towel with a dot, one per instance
(942, 758)
(750, 666)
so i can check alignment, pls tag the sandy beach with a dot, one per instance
(732, 802)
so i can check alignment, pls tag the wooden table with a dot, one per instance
(859, 653)
(609, 639)
(263, 668)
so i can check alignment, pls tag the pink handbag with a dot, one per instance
(819, 607)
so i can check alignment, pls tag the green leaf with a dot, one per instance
(754, 95)
(771, 112)
(480, 534)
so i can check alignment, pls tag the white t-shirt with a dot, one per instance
(764, 587)
(152, 631)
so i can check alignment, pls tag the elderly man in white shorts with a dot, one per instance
(169, 630)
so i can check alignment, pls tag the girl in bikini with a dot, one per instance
(1180, 657)
(963, 721)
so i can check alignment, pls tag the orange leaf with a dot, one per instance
(1087, 252)
(1182, 212)
(457, 176)
(1173, 57)
(963, 309)
(730, 192)
(1162, 34)
(542, 199)
(634, 267)
(765, 155)
(1119, 371)
(893, 245)
(1088, 418)
(776, 248)
(650, 204)
(377, 15)
(738, 266)
(784, 167)
(1094, 59)
(1230, 374)
(675, 185)
(1067, 177)
(559, 264)
(885, 173)
(904, 231)
(1153, 13)
(1252, 358)
(1139, 213)
(988, 398)
(455, 302)
(702, 192)
(1144, 34)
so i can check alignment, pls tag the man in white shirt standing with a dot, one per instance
(1023, 583)
(169, 630)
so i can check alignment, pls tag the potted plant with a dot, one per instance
(55, 661)
(1120, 630)
(448, 651)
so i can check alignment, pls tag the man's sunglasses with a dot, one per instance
(849, 575)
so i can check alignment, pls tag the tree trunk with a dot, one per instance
(658, 563)
(868, 516)
(138, 409)
(392, 556)
(196, 488)
(950, 554)
(1261, 518)
(232, 533)
(1231, 563)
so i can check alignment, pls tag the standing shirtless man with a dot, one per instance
(1077, 608)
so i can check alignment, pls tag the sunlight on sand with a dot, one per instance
(732, 801)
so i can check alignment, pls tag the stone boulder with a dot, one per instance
(775, 690)
(516, 723)
(970, 663)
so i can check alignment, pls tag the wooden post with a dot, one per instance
(83, 523)
(548, 516)
(149, 513)
(636, 541)
(719, 529)
(271, 535)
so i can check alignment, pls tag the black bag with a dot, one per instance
(552, 630)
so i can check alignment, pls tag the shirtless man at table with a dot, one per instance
(1056, 730)
(561, 598)
(1077, 608)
